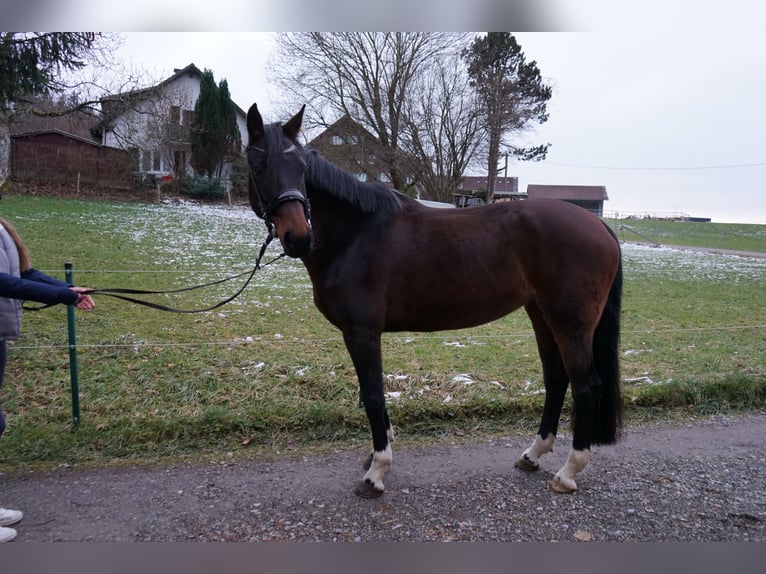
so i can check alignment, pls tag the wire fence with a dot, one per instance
(388, 337)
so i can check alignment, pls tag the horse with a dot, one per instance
(380, 261)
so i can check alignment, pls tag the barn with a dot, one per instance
(61, 157)
(591, 197)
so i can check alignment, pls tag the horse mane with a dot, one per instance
(326, 177)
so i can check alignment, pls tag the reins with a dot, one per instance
(121, 293)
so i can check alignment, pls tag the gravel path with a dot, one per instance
(702, 480)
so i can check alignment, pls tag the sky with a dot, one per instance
(660, 101)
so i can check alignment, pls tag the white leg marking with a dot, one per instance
(381, 460)
(564, 481)
(530, 458)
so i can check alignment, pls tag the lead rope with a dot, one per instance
(119, 293)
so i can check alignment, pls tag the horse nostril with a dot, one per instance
(297, 245)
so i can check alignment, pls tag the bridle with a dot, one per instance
(267, 211)
(283, 197)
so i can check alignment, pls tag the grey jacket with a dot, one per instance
(32, 285)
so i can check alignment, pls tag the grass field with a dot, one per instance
(267, 373)
(730, 236)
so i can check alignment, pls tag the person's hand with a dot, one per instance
(84, 301)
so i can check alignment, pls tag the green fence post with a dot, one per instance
(72, 351)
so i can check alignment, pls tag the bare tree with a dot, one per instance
(368, 76)
(52, 111)
(443, 129)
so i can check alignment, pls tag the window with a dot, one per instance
(336, 140)
(352, 140)
(361, 176)
(156, 160)
(384, 177)
(175, 115)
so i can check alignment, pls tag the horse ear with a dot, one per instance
(293, 127)
(254, 123)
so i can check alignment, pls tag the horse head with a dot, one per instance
(276, 165)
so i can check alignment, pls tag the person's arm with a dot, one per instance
(28, 289)
(33, 274)
(84, 301)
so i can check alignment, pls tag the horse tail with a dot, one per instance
(608, 420)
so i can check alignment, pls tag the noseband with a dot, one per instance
(284, 197)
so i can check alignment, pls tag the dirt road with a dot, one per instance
(702, 480)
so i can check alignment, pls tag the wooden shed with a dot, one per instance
(591, 197)
(55, 156)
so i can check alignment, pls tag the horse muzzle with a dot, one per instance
(297, 245)
(290, 217)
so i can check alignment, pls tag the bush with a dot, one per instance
(203, 187)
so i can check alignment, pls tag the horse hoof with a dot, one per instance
(558, 485)
(367, 462)
(526, 464)
(367, 490)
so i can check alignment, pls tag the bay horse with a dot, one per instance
(381, 261)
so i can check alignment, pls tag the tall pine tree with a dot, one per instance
(511, 92)
(214, 133)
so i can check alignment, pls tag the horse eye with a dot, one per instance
(256, 161)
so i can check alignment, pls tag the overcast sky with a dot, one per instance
(661, 101)
(668, 120)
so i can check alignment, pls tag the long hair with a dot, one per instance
(25, 261)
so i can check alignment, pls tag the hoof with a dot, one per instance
(558, 485)
(367, 462)
(367, 490)
(526, 464)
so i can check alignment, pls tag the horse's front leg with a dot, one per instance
(364, 347)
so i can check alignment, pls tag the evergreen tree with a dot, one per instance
(214, 133)
(231, 142)
(31, 64)
(202, 126)
(511, 93)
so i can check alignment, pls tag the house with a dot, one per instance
(352, 148)
(154, 124)
(591, 197)
(58, 156)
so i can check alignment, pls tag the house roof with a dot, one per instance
(191, 70)
(342, 126)
(584, 192)
(59, 132)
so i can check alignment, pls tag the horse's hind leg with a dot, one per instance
(364, 347)
(556, 381)
(585, 388)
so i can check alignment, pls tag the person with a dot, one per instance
(19, 281)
